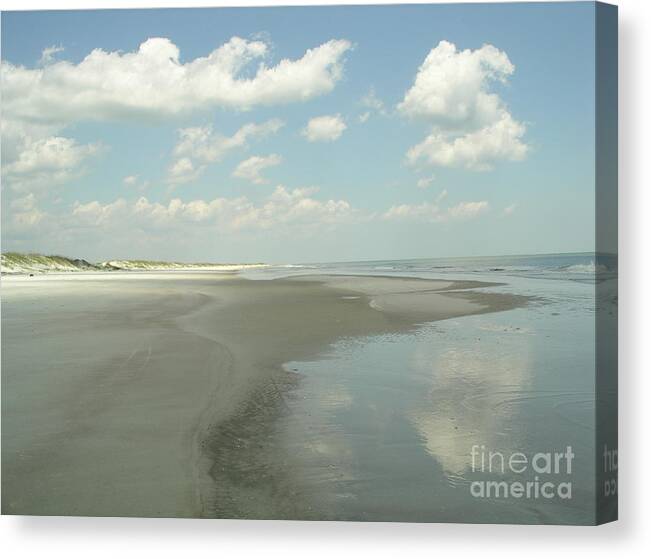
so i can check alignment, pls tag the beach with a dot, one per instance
(328, 263)
(157, 394)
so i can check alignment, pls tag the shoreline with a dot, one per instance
(213, 375)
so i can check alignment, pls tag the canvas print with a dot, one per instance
(353, 263)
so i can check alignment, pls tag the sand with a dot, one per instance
(132, 394)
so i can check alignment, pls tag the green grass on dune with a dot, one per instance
(20, 260)
(17, 261)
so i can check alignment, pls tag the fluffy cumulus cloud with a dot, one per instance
(96, 214)
(44, 162)
(154, 82)
(470, 126)
(476, 150)
(327, 128)
(199, 146)
(451, 86)
(250, 169)
(150, 83)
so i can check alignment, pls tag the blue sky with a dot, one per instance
(487, 149)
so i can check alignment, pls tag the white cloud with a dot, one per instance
(94, 213)
(426, 210)
(477, 150)
(282, 208)
(372, 104)
(154, 82)
(28, 219)
(47, 161)
(467, 210)
(450, 87)
(18, 136)
(25, 203)
(182, 171)
(200, 146)
(207, 146)
(425, 182)
(372, 101)
(250, 168)
(136, 183)
(24, 212)
(327, 128)
(433, 212)
(471, 127)
(47, 56)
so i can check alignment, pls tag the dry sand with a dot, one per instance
(132, 394)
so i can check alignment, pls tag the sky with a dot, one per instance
(307, 134)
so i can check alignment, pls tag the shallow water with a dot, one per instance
(385, 428)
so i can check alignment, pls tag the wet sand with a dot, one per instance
(146, 394)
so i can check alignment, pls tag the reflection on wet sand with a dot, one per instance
(385, 426)
(472, 400)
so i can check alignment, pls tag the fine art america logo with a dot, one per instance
(542, 475)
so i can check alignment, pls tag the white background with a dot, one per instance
(73, 537)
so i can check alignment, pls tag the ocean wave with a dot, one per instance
(590, 268)
(294, 266)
